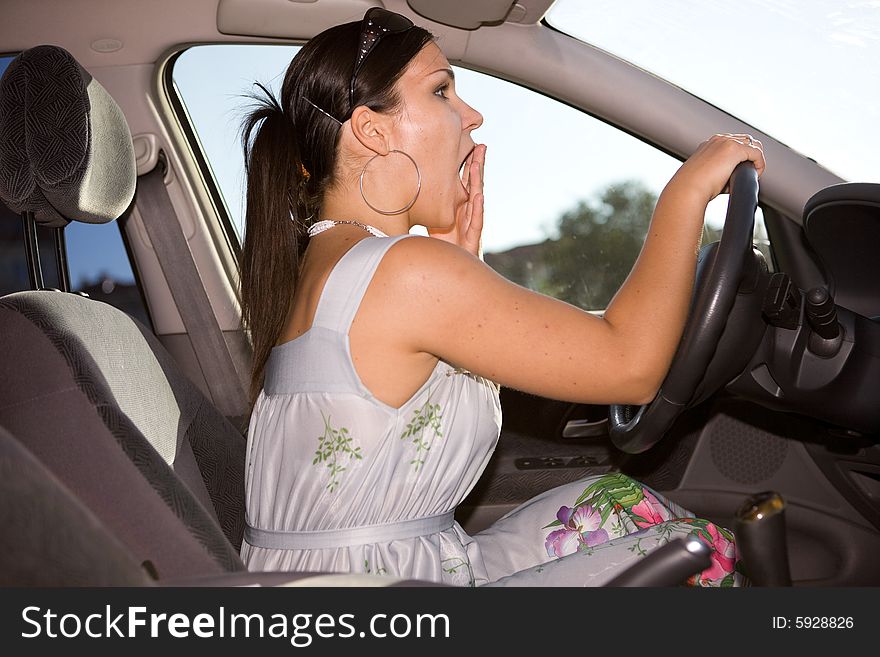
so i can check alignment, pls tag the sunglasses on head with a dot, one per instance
(376, 24)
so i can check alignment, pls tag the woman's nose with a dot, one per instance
(471, 118)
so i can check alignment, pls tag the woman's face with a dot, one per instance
(434, 128)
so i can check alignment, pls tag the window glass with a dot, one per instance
(216, 104)
(806, 74)
(100, 265)
(96, 257)
(4, 63)
(568, 197)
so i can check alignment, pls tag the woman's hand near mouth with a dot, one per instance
(468, 227)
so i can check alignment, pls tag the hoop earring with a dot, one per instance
(405, 207)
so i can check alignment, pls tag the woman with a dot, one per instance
(378, 354)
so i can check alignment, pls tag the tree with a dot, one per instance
(597, 245)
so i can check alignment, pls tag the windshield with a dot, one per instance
(802, 71)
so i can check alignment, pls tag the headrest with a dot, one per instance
(65, 148)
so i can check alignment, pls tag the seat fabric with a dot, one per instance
(101, 403)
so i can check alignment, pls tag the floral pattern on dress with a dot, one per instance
(423, 429)
(726, 569)
(617, 504)
(580, 527)
(332, 445)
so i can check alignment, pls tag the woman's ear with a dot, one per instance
(371, 129)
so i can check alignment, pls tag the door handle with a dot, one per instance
(585, 428)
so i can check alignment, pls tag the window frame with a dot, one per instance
(193, 144)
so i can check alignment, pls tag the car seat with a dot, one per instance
(78, 551)
(87, 389)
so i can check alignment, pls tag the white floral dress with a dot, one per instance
(338, 481)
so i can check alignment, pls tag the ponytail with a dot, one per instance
(275, 234)
(290, 154)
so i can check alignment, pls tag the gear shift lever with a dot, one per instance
(760, 538)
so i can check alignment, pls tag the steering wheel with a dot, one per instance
(635, 429)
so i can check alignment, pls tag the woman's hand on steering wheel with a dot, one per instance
(707, 170)
(468, 228)
(719, 273)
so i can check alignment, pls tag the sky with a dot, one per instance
(806, 71)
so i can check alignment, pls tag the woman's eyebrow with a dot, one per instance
(448, 72)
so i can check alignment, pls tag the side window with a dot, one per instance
(101, 266)
(97, 258)
(214, 106)
(568, 197)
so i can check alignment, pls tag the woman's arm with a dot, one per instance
(664, 271)
(463, 312)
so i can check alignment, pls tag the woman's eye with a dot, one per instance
(441, 91)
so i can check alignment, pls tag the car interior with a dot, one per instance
(123, 435)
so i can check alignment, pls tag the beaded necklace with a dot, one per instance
(327, 224)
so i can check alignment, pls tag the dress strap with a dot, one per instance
(348, 281)
(337, 538)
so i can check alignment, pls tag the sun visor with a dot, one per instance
(463, 15)
(287, 19)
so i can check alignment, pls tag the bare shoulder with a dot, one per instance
(419, 265)
(426, 254)
(429, 288)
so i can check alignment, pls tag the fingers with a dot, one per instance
(475, 229)
(471, 224)
(478, 154)
(708, 170)
(758, 156)
(755, 148)
(755, 153)
(475, 182)
(472, 219)
(466, 171)
(469, 217)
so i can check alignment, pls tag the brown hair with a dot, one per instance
(290, 150)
